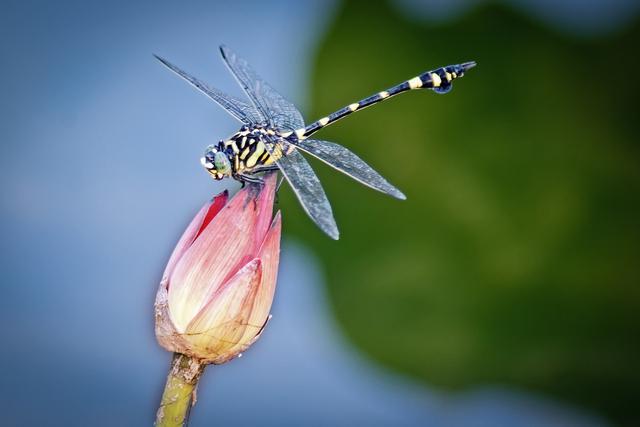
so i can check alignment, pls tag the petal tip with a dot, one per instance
(277, 219)
(221, 195)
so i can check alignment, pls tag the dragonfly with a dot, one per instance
(273, 134)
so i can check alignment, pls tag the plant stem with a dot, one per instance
(178, 392)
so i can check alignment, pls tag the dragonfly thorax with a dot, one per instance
(243, 153)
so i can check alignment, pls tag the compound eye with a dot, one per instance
(221, 162)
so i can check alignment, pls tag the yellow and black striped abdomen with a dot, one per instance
(439, 80)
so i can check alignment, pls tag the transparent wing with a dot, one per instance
(306, 186)
(240, 110)
(282, 114)
(345, 161)
(285, 116)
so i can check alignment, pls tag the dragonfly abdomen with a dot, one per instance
(438, 80)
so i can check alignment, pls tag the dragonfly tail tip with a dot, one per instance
(468, 65)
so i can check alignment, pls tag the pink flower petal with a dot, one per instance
(222, 322)
(265, 216)
(198, 223)
(215, 207)
(226, 244)
(269, 256)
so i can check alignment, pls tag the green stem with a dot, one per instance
(178, 392)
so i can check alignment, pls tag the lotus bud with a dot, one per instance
(216, 291)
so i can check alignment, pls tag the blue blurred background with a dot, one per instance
(502, 293)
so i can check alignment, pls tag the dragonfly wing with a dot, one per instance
(285, 116)
(306, 186)
(282, 114)
(345, 161)
(240, 110)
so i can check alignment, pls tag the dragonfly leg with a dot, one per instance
(251, 179)
(271, 169)
(280, 181)
(265, 169)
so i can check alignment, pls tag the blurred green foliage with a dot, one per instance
(515, 258)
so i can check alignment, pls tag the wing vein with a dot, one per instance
(305, 185)
(281, 114)
(345, 161)
(240, 110)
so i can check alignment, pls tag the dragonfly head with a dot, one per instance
(216, 163)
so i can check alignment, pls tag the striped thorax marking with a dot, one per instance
(231, 143)
(247, 150)
(258, 150)
(251, 148)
